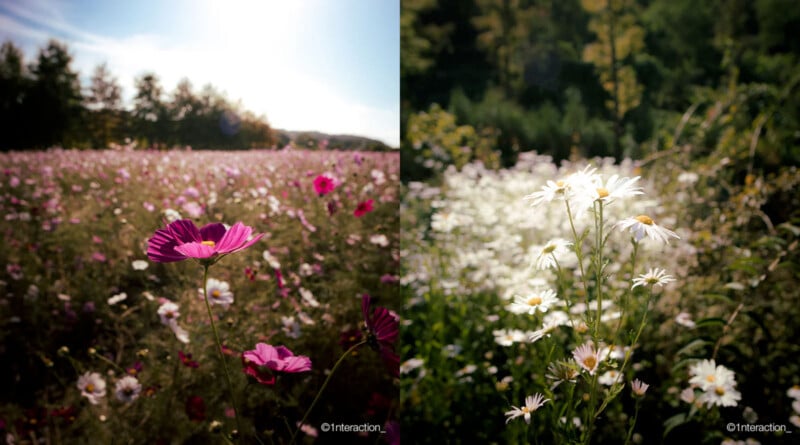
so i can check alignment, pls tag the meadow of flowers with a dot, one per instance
(198, 297)
(595, 302)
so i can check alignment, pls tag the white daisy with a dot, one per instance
(707, 375)
(128, 389)
(643, 225)
(586, 356)
(549, 192)
(794, 392)
(608, 378)
(653, 277)
(536, 301)
(92, 386)
(551, 252)
(721, 395)
(218, 293)
(615, 188)
(410, 365)
(505, 337)
(532, 403)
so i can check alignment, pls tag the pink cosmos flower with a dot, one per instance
(383, 328)
(323, 185)
(181, 240)
(265, 359)
(363, 208)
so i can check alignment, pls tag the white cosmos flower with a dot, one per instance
(127, 389)
(92, 386)
(653, 277)
(532, 403)
(536, 301)
(551, 252)
(586, 356)
(643, 225)
(219, 292)
(168, 312)
(181, 334)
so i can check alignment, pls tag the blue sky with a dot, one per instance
(327, 65)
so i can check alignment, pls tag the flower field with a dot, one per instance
(600, 302)
(198, 297)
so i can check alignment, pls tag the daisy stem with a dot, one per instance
(324, 385)
(633, 423)
(219, 348)
(578, 252)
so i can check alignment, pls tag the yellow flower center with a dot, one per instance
(644, 219)
(560, 183)
(548, 249)
(590, 362)
(535, 301)
(215, 293)
(525, 409)
(89, 388)
(602, 192)
(719, 390)
(711, 378)
(169, 315)
(652, 280)
(209, 243)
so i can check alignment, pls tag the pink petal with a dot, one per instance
(196, 250)
(161, 247)
(234, 238)
(184, 231)
(212, 232)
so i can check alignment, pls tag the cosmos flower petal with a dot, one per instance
(212, 232)
(234, 238)
(385, 325)
(196, 250)
(161, 248)
(184, 231)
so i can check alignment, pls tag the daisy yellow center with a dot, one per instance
(548, 249)
(720, 391)
(525, 409)
(89, 388)
(560, 184)
(644, 219)
(590, 362)
(215, 293)
(711, 378)
(602, 192)
(652, 280)
(535, 301)
(209, 243)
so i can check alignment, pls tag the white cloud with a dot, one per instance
(243, 48)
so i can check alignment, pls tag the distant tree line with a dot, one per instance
(42, 105)
(592, 77)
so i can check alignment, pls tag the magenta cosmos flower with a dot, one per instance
(263, 361)
(383, 328)
(363, 208)
(323, 185)
(181, 240)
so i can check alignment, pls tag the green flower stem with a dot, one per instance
(219, 349)
(633, 422)
(578, 252)
(324, 385)
(628, 291)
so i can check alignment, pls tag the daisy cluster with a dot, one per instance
(712, 385)
(480, 236)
